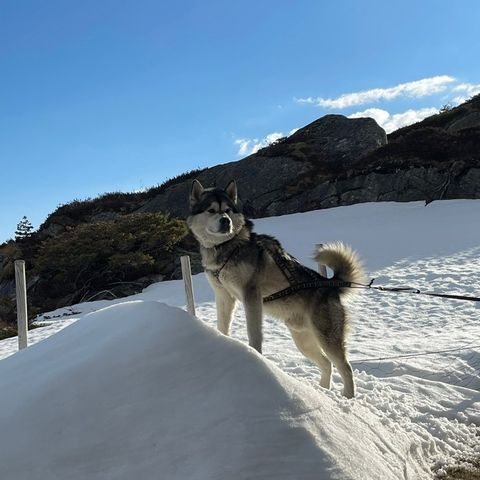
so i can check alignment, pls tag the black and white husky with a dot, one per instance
(244, 266)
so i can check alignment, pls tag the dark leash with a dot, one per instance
(412, 290)
(327, 283)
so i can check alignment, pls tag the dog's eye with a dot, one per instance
(211, 210)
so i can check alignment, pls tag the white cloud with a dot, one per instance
(247, 146)
(379, 115)
(467, 90)
(416, 89)
(398, 120)
(458, 100)
(470, 89)
(243, 145)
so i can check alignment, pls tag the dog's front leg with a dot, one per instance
(225, 307)
(253, 310)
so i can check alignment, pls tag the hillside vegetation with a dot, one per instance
(103, 259)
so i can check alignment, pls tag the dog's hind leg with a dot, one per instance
(225, 307)
(337, 354)
(307, 343)
(330, 330)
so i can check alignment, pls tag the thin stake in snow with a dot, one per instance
(22, 316)
(187, 280)
(322, 269)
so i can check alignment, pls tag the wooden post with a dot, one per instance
(22, 315)
(322, 269)
(187, 280)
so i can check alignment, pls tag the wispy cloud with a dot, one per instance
(243, 145)
(247, 146)
(454, 94)
(465, 91)
(393, 122)
(416, 89)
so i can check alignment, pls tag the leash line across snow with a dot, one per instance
(411, 290)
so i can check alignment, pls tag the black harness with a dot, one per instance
(216, 273)
(286, 266)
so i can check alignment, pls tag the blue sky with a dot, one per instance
(104, 95)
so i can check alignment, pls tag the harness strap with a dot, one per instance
(306, 285)
(287, 267)
(216, 273)
(282, 263)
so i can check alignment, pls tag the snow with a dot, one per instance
(136, 387)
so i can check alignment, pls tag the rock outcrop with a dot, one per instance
(418, 183)
(337, 140)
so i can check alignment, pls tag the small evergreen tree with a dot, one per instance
(24, 229)
(446, 108)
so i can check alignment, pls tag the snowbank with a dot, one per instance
(143, 390)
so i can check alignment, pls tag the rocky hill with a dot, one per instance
(339, 161)
(330, 162)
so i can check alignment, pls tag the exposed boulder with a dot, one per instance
(340, 140)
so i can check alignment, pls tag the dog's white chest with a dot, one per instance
(234, 279)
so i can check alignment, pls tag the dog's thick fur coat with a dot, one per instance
(240, 268)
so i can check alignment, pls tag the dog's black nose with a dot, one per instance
(225, 223)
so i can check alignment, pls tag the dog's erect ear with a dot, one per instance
(196, 192)
(232, 191)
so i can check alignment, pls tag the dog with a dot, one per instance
(244, 266)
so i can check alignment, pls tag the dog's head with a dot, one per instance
(215, 216)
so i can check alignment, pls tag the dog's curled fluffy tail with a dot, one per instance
(344, 262)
